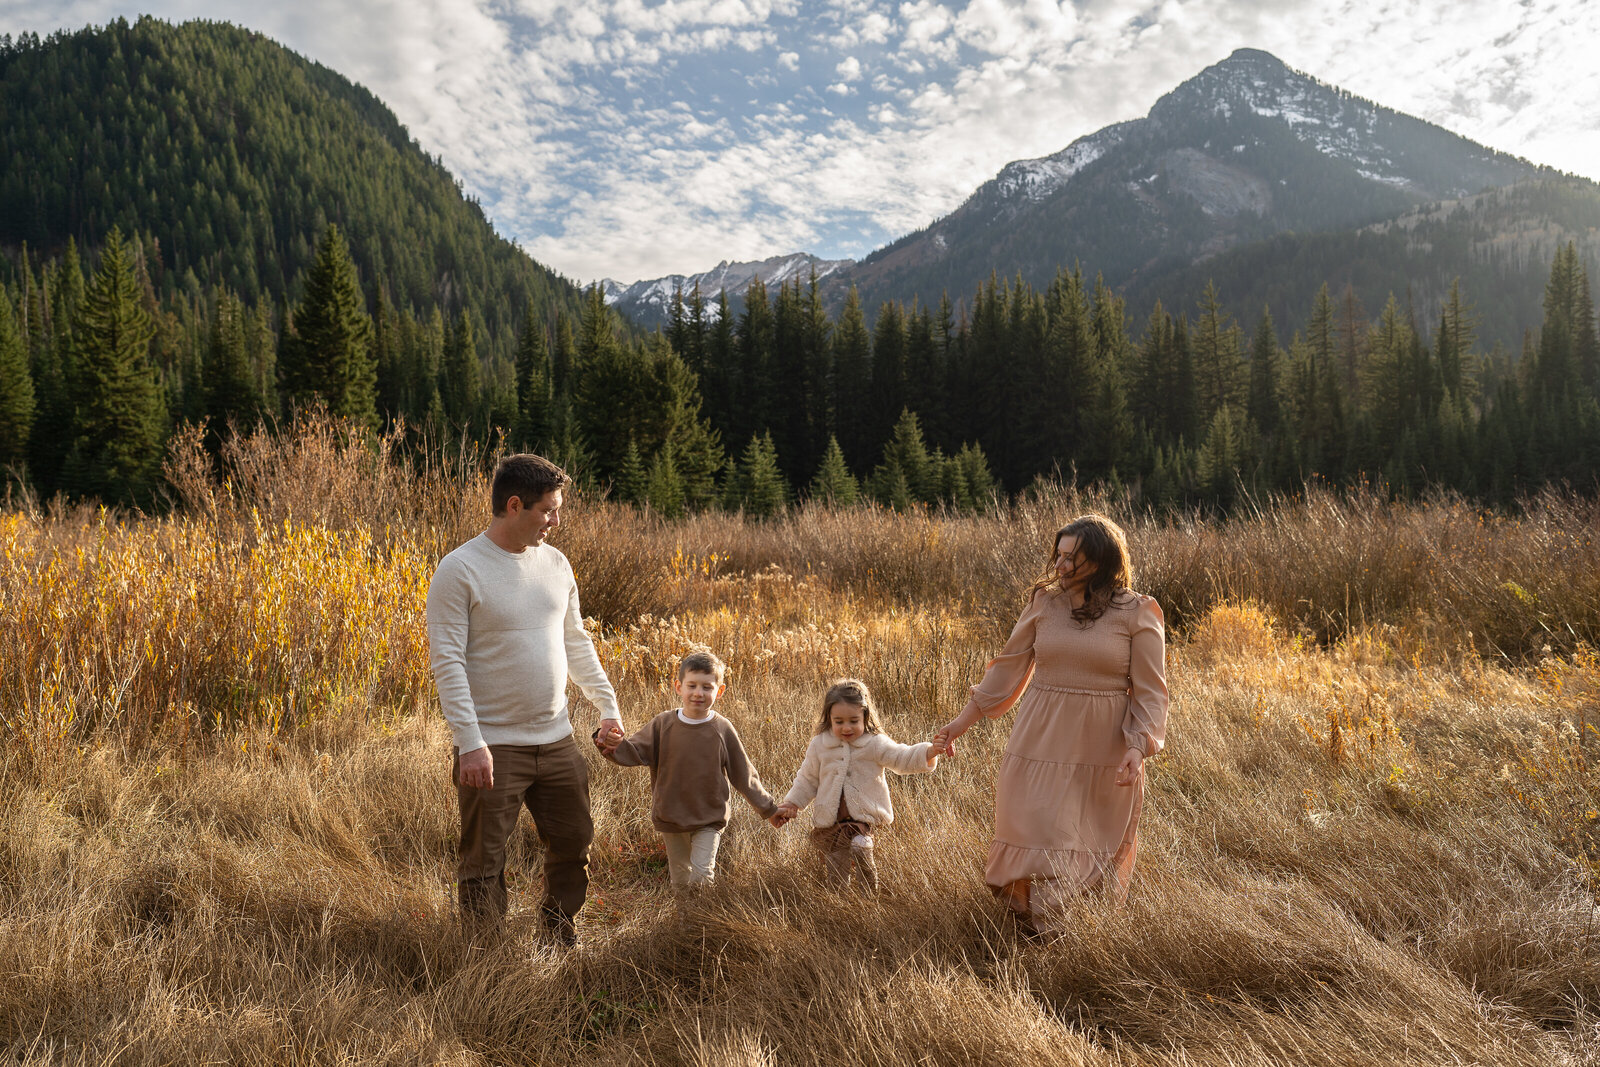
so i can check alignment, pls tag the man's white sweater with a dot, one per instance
(504, 634)
(833, 768)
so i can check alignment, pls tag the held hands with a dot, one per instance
(1131, 769)
(939, 746)
(945, 739)
(784, 813)
(609, 736)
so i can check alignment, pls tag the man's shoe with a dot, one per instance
(559, 928)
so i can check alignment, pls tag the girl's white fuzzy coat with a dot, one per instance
(855, 770)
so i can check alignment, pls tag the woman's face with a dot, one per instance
(1071, 568)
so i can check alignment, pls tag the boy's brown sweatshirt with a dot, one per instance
(692, 765)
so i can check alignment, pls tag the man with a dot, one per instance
(504, 635)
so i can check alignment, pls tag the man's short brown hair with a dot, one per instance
(702, 661)
(527, 477)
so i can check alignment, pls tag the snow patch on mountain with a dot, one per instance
(1035, 179)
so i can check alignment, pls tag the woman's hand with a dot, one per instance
(945, 739)
(1131, 769)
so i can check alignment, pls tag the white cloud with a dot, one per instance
(789, 60)
(849, 69)
(874, 29)
(840, 88)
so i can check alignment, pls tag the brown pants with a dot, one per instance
(839, 854)
(553, 781)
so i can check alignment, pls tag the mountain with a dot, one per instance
(649, 303)
(1245, 151)
(228, 155)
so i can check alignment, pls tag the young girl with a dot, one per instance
(843, 771)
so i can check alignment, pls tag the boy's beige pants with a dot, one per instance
(692, 857)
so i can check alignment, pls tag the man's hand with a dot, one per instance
(784, 813)
(476, 769)
(609, 736)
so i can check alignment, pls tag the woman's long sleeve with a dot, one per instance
(1008, 673)
(1144, 727)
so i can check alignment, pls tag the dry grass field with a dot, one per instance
(226, 827)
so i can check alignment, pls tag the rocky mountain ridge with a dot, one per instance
(649, 302)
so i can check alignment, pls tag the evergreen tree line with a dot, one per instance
(934, 404)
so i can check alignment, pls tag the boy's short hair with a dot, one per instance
(527, 477)
(702, 661)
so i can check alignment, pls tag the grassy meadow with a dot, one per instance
(227, 830)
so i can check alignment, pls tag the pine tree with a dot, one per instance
(532, 424)
(891, 487)
(1221, 456)
(122, 420)
(888, 389)
(1264, 408)
(1457, 332)
(1107, 424)
(834, 484)
(632, 481)
(458, 373)
(907, 453)
(231, 391)
(975, 473)
(16, 392)
(563, 357)
(330, 355)
(664, 486)
(1385, 378)
(757, 485)
(750, 408)
(1353, 332)
(52, 310)
(852, 378)
(1219, 367)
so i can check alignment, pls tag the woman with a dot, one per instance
(1071, 785)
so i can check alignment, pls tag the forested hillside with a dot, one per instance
(223, 158)
(1496, 243)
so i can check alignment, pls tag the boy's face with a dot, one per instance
(698, 690)
(847, 721)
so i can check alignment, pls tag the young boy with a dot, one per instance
(694, 756)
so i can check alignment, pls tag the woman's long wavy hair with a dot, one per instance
(1102, 543)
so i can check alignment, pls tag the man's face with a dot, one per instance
(533, 524)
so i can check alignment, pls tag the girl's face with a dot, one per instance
(1071, 567)
(847, 721)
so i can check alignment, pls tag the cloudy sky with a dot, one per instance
(635, 138)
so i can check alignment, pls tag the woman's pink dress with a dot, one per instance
(1089, 692)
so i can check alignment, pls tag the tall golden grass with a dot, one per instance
(228, 831)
